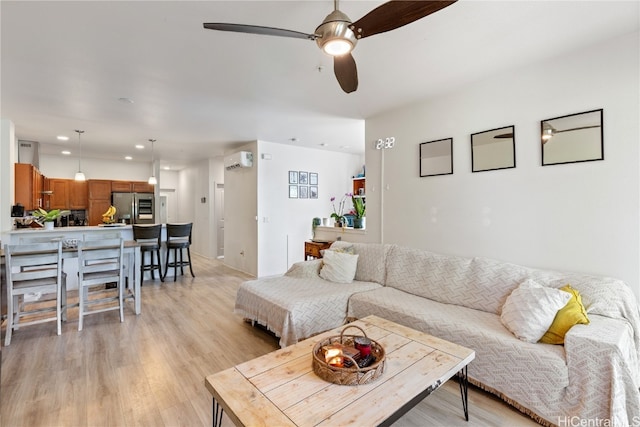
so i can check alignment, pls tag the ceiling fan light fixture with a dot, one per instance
(335, 37)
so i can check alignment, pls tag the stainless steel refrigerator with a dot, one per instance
(134, 208)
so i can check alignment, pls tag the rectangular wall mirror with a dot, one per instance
(573, 138)
(493, 149)
(436, 157)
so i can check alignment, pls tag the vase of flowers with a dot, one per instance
(359, 209)
(338, 213)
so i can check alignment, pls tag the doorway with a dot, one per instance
(219, 219)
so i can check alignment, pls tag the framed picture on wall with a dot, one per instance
(293, 191)
(293, 177)
(313, 192)
(303, 192)
(303, 178)
(313, 178)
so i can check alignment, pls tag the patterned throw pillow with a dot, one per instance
(571, 314)
(305, 269)
(338, 267)
(531, 308)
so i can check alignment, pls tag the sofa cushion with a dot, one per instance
(371, 260)
(531, 308)
(338, 267)
(490, 282)
(438, 277)
(573, 313)
(296, 308)
(502, 362)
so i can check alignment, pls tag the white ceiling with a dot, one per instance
(65, 64)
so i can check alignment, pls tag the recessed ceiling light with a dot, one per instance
(293, 139)
(324, 144)
(126, 100)
(140, 146)
(128, 158)
(66, 152)
(166, 168)
(62, 138)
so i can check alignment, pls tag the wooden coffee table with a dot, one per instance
(281, 389)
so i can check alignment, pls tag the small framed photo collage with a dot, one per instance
(303, 185)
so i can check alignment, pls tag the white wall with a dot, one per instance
(8, 154)
(580, 217)
(66, 167)
(260, 219)
(240, 210)
(283, 223)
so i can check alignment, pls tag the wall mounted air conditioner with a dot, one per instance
(241, 159)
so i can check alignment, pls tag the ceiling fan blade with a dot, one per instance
(256, 29)
(344, 67)
(578, 128)
(395, 14)
(504, 136)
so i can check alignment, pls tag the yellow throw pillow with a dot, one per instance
(571, 314)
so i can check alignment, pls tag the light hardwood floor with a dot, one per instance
(150, 369)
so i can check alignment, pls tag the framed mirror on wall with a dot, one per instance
(573, 138)
(493, 149)
(436, 157)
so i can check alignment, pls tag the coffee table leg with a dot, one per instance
(463, 380)
(217, 414)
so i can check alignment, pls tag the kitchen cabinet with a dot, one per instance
(66, 194)
(99, 199)
(78, 194)
(96, 209)
(58, 193)
(142, 187)
(121, 186)
(29, 185)
(99, 189)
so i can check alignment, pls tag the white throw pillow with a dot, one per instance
(530, 309)
(338, 267)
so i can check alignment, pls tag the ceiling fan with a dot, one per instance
(548, 132)
(337, 35)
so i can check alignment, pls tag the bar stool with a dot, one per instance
(178, 238)
(148, 236)
(33, 269)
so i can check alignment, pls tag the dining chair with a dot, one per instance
(178, 239)
(100, 261)
(46, 239)
(33, 269)
(148, 237)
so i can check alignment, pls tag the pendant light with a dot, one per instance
(152, 178)
(79, 175)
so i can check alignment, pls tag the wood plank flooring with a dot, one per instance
(150, 370)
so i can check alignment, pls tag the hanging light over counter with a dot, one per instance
(79, 175)
(152, 178)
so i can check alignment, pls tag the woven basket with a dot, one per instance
(353, 375)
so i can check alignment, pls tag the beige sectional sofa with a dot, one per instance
(594, 377)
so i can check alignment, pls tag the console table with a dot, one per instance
(312, 249)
